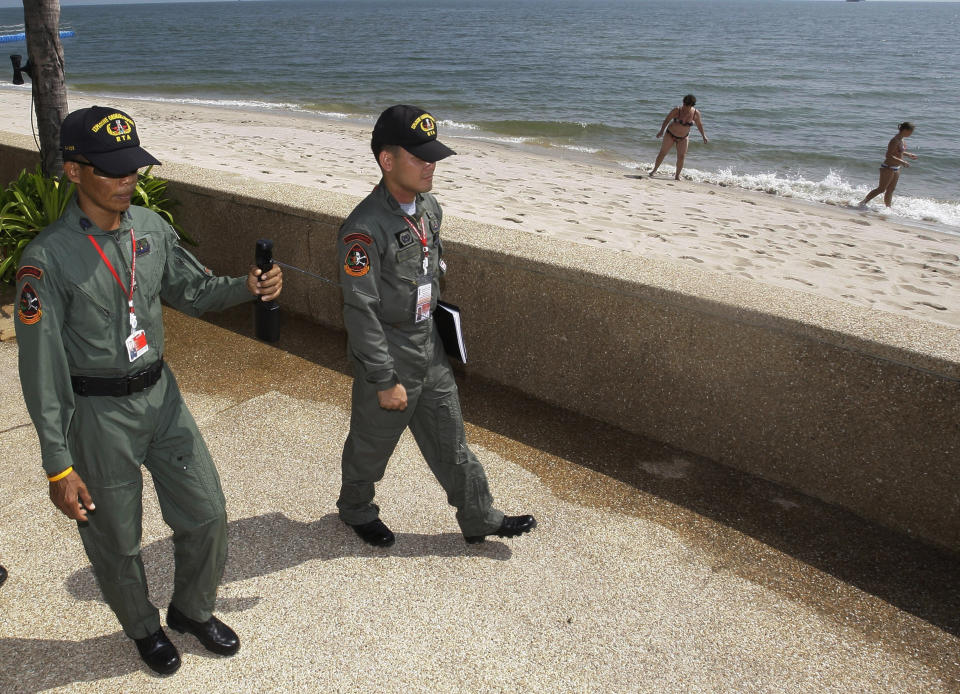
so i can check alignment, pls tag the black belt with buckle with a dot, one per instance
(125, 385)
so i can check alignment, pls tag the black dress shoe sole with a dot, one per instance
(477, 539)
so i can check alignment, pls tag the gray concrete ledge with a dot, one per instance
(853, 406)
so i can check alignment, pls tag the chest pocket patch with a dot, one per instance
(405, 238)
(411, 252)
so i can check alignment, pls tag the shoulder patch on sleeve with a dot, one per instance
(29, 310)
(357, 263)
(356, 236)
(29, 271)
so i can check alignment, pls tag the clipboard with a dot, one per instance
(450, 327)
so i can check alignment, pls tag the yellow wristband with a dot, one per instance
(57, 478)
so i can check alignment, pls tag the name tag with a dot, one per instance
(137, 345)
(424, 297)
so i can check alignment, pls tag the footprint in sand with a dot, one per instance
(937, 307)
(916, 290)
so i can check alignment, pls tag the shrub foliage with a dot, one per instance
(34, 201)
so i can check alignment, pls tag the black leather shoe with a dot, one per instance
(213, 634)
(3, 575)
(374, 533)
(158, 653)
(510, 527)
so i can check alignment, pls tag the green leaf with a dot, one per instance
(34, 201)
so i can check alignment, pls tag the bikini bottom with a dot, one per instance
(882, 166)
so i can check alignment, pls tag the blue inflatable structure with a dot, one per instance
(10, 38)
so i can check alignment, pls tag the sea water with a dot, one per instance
(798, 99)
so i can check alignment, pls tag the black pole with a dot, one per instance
(266, 314)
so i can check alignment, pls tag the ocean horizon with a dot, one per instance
(798, 98)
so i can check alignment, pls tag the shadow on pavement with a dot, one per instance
(43, 664)
(914, 576)
(291, 543)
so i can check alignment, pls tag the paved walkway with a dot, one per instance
(652, 570)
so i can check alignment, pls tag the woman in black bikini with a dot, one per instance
(680, 120)
(890, 168)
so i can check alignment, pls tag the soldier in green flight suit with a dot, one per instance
(90, 333)
(391, 259)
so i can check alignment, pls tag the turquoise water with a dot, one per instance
(798, 98)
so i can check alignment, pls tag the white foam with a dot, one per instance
(503, 140)
(832, 190)
(235, 103)
(579, 148)
(457, 125)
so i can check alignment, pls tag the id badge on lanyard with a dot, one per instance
(425, 279)
(136, 343)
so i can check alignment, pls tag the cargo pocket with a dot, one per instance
(191, 489)
(452, 441)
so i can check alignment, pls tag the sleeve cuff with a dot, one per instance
(53, 466)
(383, 379)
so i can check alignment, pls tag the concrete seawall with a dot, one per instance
(856, 407)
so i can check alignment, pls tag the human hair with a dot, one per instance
(378, 147)
(905, 125)
(689, 100)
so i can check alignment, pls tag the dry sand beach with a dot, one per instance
(855, 256)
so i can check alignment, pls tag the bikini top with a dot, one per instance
(680, 122)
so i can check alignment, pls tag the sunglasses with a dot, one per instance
(100, 172)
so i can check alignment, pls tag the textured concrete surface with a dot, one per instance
(653, 570)
(854, 406)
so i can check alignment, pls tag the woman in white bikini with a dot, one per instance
(890, 168)
(677, 126)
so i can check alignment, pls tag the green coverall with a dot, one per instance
(381, 260)
(73, 319)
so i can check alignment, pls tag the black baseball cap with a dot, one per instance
(106, 137)
(413, 129)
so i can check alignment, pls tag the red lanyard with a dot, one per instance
(421, 233)
(133, 269)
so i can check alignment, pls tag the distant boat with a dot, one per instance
(22, 36)
(854, 0)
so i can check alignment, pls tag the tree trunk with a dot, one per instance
(42, 21)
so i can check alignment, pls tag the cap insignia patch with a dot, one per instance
(357, 263)
(426, 123)
(117, 124)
